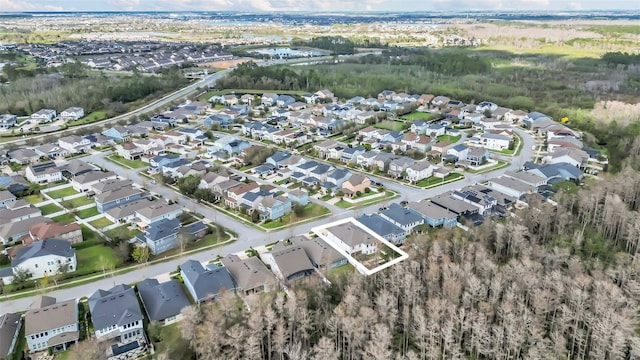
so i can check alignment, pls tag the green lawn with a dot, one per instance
(390, 125)
(76, 202)
(65, 218)
(94, 116)
(310, 211)
(516, 147)
(418, 116)
(49, 209)
(57, 194)
(207, 240)
(131, 164)
(449, 138)
(122, 233)
(435, 181)
(90, 235)
(497, 166)
(347, 205)
(96, 258)
(101, 223)
(87, 213)
(34, 199)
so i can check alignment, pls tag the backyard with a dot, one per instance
(49, 209)
(311, 211)
(34, 199)
(417, 116)
(76, 202)
(65, 218)
(392, 125)
(87, 213)
(101, 223)
(449, 138)
(122, 232)
(57, 194)
(131, 164)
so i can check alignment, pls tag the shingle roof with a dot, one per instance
(116, 306)
(164, 300)
(402, 215)
(206, 282)
(351, 235)
(9, 326)
(158, 209)
(52, 316)
(43, 248)
(291, 260)
(379, 225)
(50, 230)
(318, 251)
(162, 229)
(113, 195)
(248, 273)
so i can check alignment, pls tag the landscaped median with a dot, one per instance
(366, 200)
(436, 181)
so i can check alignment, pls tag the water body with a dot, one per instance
(287, 53)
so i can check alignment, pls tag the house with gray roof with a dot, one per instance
(111, 199)
(157, 212)
(23, 156)
(52, 325)
(43, 258)
(82, 182)
(353, 239)
(10, 325)
(161, 235)
(288, 263)
(251, 275)
(512, 187)
(108, 185)
(454, 204)
(319, 252)
(117, 319)
(6, 198)
(555, 173)
(433, 214)
(162, 302)
(127, 212)
(205, 283)
(405, 218)
(386, 229)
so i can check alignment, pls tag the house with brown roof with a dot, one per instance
(251, 275)
(236, 192)
(52, 325)
(356, 183)
(52, 230)
(288, 263)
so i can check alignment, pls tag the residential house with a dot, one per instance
(459, 151)
(163, 119)
(205, 283)
(157, 163)
(117, 319)
(554, 173)
(111, 199)
(6, 198)
(268, 99)
(284, 101)
(495, 141)
(117, 133)
(251, 275)
(44, 115)
(356, 183)
(235, 193)
(515, 116)
(161, 235)
(419, 170)
(157, 212)
(419, 127)
(535, 119)
(210, 179)
(76, 167)
(386, 95)
(338, 176)
(386, 229)
(324, 94)
(403, 217)
(325, 147)
(575, 157)
(51, 151)
(398, 166)
(219, 120)
(127, 212)
(43, 173)
(512, 187)
(8, 121)
(72, 113)
(10, 325)
(434, 215)
(43, 258)
(74, 144)
(527, 178)
(477, 198)
(477, 156)
(352, 238)
(230, 99)
(382, 161)
(298, 196)
(108, 185)
(273, 208)
(322, 255)
(162, 302)
(441, 147)
(129, 151)
(350, 154)
(23, 156)
(247, 99)
(288, 263)
(52, 325)
(425, 99)
(440, 101)
(52, 230)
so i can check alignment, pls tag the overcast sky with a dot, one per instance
(310, 5)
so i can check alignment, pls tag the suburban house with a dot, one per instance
(459, 151)
(72, 113)
(433, 214)
(76, 167)
(83, 182)
(42, 258)
(108, 185)
(10, 325)
(322, 255)
(157, 212)
(403, 217)
(205, 283)
(118, 134)
(288, 263)
(74, 144)
(44, 115)
(512, 187)
(129, 151)
(52, 151)
(8, 121)
(157, 163)
(43, 173)
(554, 173)
(477, 156)
(398, 166)
(384, 228)
(576, 157)
(273, 208)
(269, 99)
(117, 319)
(251, 275)
(23, 156)
(495, 141)
(527, 178)
(356, 183)
(6, 198)
(162, 302)
(352, 239)
(110, 199)
(52, 325)
(419, 170)
(161, 235)
(127, 212)
(52, 230)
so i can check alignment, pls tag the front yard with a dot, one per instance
(57, 194)
(433, 181)
(449, 138)
(311, 211)
(131, 164)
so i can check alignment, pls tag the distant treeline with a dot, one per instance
(622, 58)
(450, 63)
(336, 44)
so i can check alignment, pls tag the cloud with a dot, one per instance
(269, 5)
(123, 5)
(20, 6)
(489, 4)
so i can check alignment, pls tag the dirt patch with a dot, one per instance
(225, 64)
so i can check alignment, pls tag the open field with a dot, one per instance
(418, 116)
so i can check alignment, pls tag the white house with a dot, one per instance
(157, 212)
(495, 141)
(74, 144)
(44, 257)
(419, 170)
(72, 113)
(44, 115)
(352, 239)
(43, 173)
(52, 325)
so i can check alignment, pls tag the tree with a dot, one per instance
(188, 185)
(184, 239)
(20, 276)
(255, 216)
(154, 330)
(298, 209)
(140, 254)
(123, 251)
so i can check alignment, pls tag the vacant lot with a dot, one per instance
(310, 211)
(96, 258)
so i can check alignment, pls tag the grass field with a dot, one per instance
(497, 166)
(49, 209)
(57, 194)
(34, 199)
(348, 205)
(391, 125)
(87, 213)
(131, 164)
(101, 223)
(432, 181)
(122, 233)
(65, 218)
(418, 116)
(76, 202)
(94, 116)
(96, 258)
(449, 138)
(310, 211)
